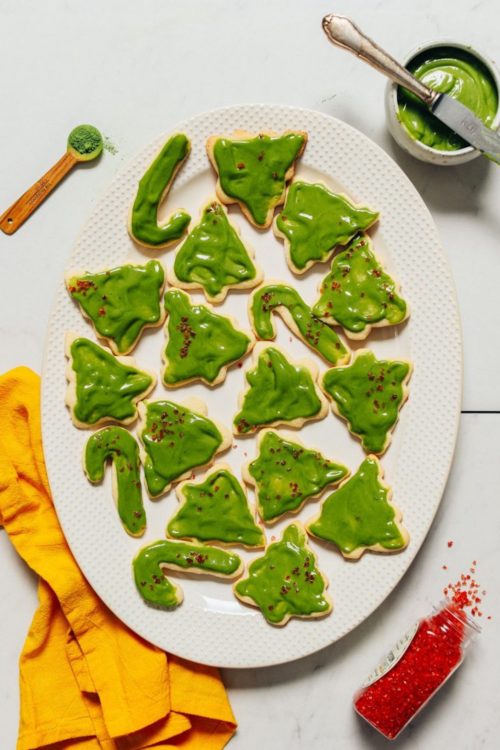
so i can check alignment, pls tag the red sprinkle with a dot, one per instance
(450, 543)
(465, 592)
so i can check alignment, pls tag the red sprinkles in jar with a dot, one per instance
(393, 696)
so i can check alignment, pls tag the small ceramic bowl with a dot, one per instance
(417, 148)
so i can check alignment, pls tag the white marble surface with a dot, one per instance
(134, 69)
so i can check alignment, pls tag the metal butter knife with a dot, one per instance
(344, 33)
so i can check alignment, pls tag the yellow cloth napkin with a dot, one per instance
(87, 681)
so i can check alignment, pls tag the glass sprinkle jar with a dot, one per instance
(414, 670)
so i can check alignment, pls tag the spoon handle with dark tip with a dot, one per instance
(22, 209)
(344, 33)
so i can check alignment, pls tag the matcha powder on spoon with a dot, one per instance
(85, 142)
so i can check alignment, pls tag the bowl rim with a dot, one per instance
(488, 62)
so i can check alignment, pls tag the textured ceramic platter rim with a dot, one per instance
(211, 627)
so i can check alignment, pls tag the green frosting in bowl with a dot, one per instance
(452, 71)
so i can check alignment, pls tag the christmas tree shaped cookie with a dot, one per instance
(368, 394)
(215, 509)
(177, 438)
(359, 516)
(152, 190)
(120, 302)
(287, 302)
(213, 257)
(201, 345)
(151, 562)
(101, 387)
(357, 294)
(285, 474)
(280, 392)
(286, 582)
(118, 446)
(253, 170)
(314, 221)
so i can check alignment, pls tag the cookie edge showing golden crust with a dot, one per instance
(384, 323)
(196, 571)
(105, 339)
(357, 553)
(70, 398)
(406, 393)
(173, 280)
(223, 371)
(315, 615)
(248, 479)
(244, 135)
(170, 243)
(114, 482)
(197, 406)
(298, 422)
(287, 318)
(179, 491)
(279, 235)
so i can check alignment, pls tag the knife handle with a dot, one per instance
(341, 31)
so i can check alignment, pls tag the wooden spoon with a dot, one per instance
(84, 144)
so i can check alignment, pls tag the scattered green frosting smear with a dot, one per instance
(105, 388)
(457, 73)
(118, 446)
(285, 582)
(279, 392)
(286, 474)
(199, 558)
(153, 187)
(368, 394)
(213, 256)
(120, 302)
(175, 440)
(200, 342)
(314, 221)
(313, 331)
(358, 293)
(253, 170)
(359, 515)
(216, 510)
(152, 584)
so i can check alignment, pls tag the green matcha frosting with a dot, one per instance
(358, 293)
(368, 394)
(175, 439)
(314, 221)
(200, 343)
(200, 558)
(253, 171)
(216, 510)
(119, 446)
(152, 189)
(151, 582)
(286, 474)
(313, 332)
(458, 74)
(285, 581)
(279, 392)
(120, 302)
(213, 256)
(105, 388)
(359, 515)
